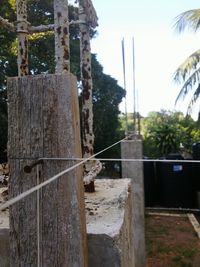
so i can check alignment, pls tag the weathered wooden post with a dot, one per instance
(44, 123)
(88, 18)
(22, 34)
(47, 228)
(132, 149)
(62, 52)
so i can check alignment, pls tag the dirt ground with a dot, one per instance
(171, 242)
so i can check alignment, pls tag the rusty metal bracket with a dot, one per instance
(28, 168)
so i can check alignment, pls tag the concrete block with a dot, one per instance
(109, 224)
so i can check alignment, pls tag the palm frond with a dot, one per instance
(189, 19)
(189, 85)
(193, 100)
(188, 73)
(189, 65)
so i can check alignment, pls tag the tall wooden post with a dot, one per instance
(22, 34)
(44, 122)
(87, 86)
(61, 25)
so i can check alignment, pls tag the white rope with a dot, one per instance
(37, 187)
(123, 160)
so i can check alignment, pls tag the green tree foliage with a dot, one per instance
(8, 67)
(188, 73)
(169, 132)
(107, 94)
(130, 121)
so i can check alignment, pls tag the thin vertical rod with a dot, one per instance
(124, 76)
(134, 94)
(38, 217)
(138, 113)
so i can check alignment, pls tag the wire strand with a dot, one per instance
(53, 178)
(82, 161)
(124, 160)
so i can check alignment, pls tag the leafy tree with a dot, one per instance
(8, 67)
(169, 132)
(130, 121)
(188, 72)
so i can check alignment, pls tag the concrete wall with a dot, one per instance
(109, 224)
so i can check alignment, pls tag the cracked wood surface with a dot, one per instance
(44, 122)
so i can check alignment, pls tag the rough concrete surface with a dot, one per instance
(109, 224)
(132, 149)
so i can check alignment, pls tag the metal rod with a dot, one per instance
(134, 94)
(124, 75)
(138, 113)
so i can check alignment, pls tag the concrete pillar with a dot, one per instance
(132, 149)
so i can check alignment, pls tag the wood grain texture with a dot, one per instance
(44, 122)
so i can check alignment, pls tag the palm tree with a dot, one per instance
(188, 73)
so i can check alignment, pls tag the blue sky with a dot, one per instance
(158, 49)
